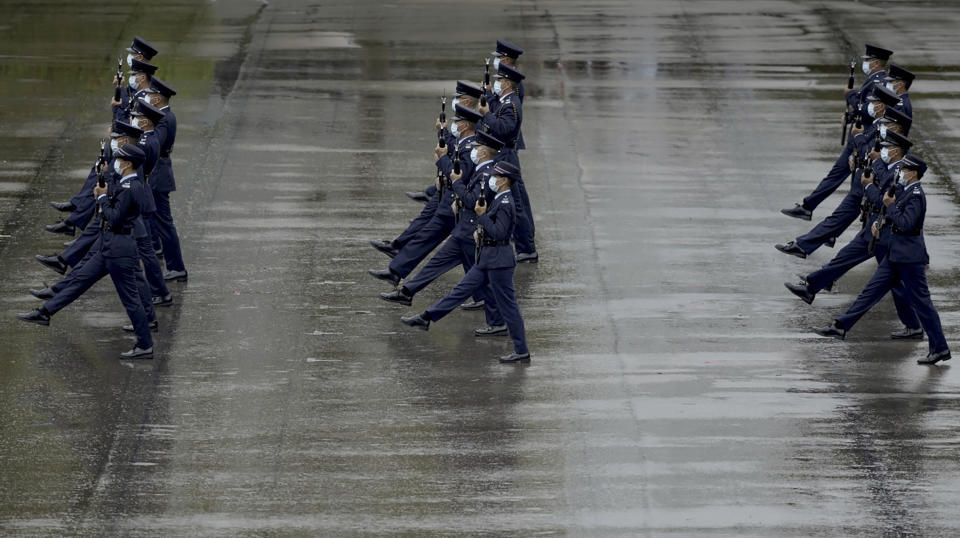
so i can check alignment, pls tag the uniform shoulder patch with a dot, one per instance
(125, 184)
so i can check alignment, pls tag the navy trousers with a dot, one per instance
(835, 178)
(123, 272)
(524, 232)
(430, 235)
(913, 279)
(499, 283)
(82, 215)
(162, 226)
(151, 264)
(850, 256)
(76, 252)
(455, 252)
(832, 226)
(418, 223)
(142, 287)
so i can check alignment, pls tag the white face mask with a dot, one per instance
(454, 130)
(901, 179)
(135, 121)
(456, 101)
(883, 132)
(885, 155)
(497, 88)
(872, 110)
(492, 183)
(865, 67)
(496, 63)
(133, 82)
(117, 169)
(474, 156)
(890, 87)
(113, 145)
(129, 59)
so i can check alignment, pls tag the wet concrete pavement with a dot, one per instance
(674, 388)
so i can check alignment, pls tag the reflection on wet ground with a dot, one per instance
(674, 388)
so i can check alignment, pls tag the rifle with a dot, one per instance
(441, 141)
(456, 199)
(846, 115)
(101, 160)
(486, 82)
(116, 91)
(865, 203)
(882, 216)
(482, 201)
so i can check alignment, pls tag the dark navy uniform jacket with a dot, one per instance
(886, 175)
(161, 178)
(906, 215)
(860, 96)
(445, 164)
(905, 106)
(469, 193)
(505, 119)
(150, 144)
(119, 210)
(128, 96)
(498, 224)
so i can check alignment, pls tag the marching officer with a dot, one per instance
(885, 171)
(137, 84)
(494, 265)
(458, 146)
(905, 264)
(826, 232)
(874, 65)
(139, 51)
(503, 118)
(460, 248)
(162, 183)
(115, 253)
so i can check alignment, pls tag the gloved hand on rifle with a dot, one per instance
(887, 199)
(479, 209)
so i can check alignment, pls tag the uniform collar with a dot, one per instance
(128, 177)
(891, 165)
(484, 163)
(499, 194)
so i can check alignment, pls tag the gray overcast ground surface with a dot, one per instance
(674, 388)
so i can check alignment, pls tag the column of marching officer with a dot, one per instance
(887, 196)
(477, 211)
(122, 210)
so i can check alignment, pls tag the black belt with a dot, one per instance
(118, 231)
(493, 243)
(913, 233)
